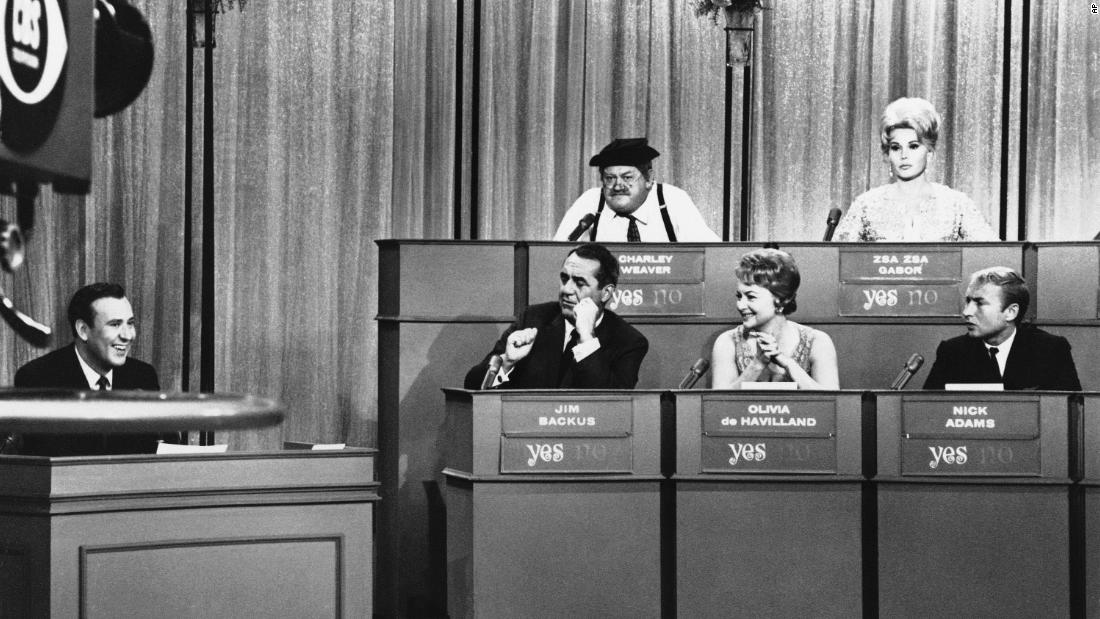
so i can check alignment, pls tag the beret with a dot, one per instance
(625, 151)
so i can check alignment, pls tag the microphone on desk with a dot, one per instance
(582, 225)
(907, 372)
(491, 374)
(694, 374)
(831, 222)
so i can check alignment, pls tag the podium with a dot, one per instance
(553, 504)
(768, 494)
(973, 504)
(263, 534)
(1089, 522)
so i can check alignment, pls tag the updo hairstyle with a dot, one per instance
(911, 113)
(774, 270)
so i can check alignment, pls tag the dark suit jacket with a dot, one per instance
(1037, 360)
(60, 369)
(614, 366)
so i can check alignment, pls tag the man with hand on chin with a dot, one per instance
(574, 343)
(997, 348)
(102, 322)
(630, 206)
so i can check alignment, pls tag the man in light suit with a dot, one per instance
(574, 342)
(102, 322)
(996, 347)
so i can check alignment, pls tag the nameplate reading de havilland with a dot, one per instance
(659, 283)
(900, 283)
(765, 435)
(971, 437)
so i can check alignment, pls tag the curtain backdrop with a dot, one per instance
(345, 121)
(1063, 137)
(559, 80)
(128, 229)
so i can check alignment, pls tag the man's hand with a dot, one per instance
(519, 344)
(585, 314)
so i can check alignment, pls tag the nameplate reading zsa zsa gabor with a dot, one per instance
(900, 283)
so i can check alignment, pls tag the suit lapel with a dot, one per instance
(73, 374)
(1017, 360)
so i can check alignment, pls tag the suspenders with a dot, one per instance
(661, 204)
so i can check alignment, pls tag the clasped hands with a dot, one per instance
(767, 349)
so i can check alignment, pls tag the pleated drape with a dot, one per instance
(345, 121)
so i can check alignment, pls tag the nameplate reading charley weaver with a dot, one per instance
(903, 282)
(659, 283)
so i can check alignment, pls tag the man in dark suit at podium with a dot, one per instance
(996, 347)
(573, 343)
(102, 322)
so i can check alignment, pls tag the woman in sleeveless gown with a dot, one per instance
(767, 346)
(912, 208)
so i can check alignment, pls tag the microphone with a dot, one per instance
(694, 374)
(831, 222)
(582, 225)
(907, 372)
(33, 332)
(491, 374)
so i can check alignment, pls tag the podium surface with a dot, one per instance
(768, 497)
(272, 534)
(553, 503)
(973, 504)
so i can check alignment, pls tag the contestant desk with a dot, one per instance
(768, 504)
(973, 496)
(442, 304)
(263, 534)
(553, 504)
(1088, 522)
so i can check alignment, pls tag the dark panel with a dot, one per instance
(970, 550)
(189, 578)
(768, 550)
(580, 549)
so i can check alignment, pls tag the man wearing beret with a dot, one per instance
(630, 207)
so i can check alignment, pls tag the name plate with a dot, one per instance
(665, 267)
(647, 299)
(777, 417)
(983, 419)
(768, 455)
(566, 417)
(865, 299)
(565, 455)
(659, 283)
(971, 458)
(863, 265)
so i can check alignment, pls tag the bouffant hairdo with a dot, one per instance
(911, 113)
(774, 270)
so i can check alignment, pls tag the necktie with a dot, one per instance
(632, 234)
(993, 357)
(567, 358)
(103, 384)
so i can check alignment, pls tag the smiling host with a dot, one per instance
(103, 326)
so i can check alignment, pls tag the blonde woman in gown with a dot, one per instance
(912, 208)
